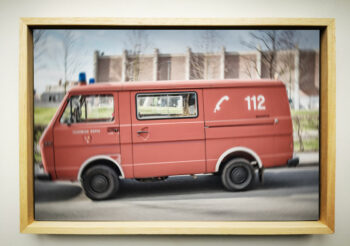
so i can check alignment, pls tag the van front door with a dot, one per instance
(167, 133)
(88, 127)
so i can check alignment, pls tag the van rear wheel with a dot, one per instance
(237, 175)
(100, 182)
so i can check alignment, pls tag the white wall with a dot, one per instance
(12, 10)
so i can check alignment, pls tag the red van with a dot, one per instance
(151, 130)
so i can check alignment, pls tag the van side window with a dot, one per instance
(88, 108)
(166, 105)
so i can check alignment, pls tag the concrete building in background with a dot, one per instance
(298, 69)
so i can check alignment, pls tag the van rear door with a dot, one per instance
(253, 119)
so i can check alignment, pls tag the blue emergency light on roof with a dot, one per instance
(91, 81)
(82, 77)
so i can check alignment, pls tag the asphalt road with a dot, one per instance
(287, 194)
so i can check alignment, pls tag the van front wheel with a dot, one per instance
(100, 182)
(237, 175)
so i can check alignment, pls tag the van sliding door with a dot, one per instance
(168, 133)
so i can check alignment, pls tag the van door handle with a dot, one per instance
(112, 129)
(140, 132)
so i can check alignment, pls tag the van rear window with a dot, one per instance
(166, 105)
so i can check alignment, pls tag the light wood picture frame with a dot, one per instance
(325, 224)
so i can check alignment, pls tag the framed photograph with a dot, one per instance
(177, 126)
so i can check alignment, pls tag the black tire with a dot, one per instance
(237, 175)
(100, 182)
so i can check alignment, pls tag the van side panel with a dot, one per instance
(257, 118)
(168, 146)
(125, 134)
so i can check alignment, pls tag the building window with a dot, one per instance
(169, 70)
(166, 105)
(164, 68)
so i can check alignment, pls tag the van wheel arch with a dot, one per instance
(103, 162)
(238, 154)
(241, 152)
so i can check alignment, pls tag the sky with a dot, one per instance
(49, 58)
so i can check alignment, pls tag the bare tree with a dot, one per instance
(136, 43)
(69, 60)
(67, 57)
(197, 66)
(208, 41)
(39, 45)
(269, 43)
(250, 66)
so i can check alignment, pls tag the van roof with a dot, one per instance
(172, 84)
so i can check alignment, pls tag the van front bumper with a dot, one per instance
(293, 162)
(43, 176)
(40, 174)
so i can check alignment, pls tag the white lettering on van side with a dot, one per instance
(257, 101)
(76, 132)
(217, 107)
(92, 131)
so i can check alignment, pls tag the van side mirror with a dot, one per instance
(67, 121)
